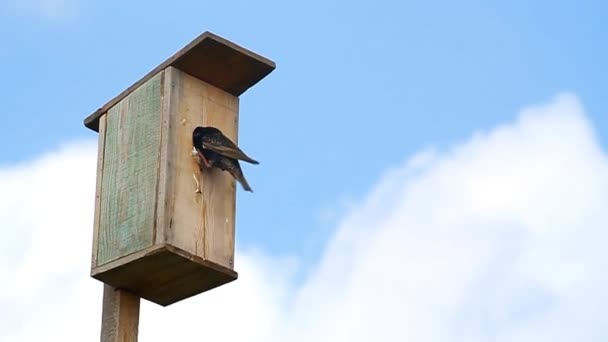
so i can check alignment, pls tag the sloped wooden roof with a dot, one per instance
(210, 58)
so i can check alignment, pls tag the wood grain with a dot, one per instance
(202, 224)
(219, 192)
(209, 58)
(120, 315)
(101, 144)
(130, 173)
(166, 166)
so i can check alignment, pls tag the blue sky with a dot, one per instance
(359, 89)
(358, 86)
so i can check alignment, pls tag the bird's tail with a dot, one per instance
(237, 173)
(244, 183)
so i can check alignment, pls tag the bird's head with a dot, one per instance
(200, 132)
(197, 134)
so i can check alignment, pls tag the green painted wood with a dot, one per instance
(130, 173)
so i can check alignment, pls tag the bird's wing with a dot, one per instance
(224, 146)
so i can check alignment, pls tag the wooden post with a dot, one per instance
(120, 315)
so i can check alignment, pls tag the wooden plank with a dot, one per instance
(200, 223)
(197, 276)
(164, 274)
(129, 185)
(101, 143)
(219, 190)
(166, 166)
(210, 58)
(224, 65)
(120, 315)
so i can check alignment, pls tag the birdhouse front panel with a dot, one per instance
(198, 208)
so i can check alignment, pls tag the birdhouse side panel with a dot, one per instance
(101, 144)
(130, 173)
(199, 222)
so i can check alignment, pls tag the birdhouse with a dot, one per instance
(164, 228)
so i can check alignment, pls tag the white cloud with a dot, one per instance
(499, 239)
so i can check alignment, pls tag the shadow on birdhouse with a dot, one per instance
(164, 228)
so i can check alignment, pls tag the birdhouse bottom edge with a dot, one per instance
(164, 274)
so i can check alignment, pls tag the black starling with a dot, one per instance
(213, 139)
(214, 149)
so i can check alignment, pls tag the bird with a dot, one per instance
(213, 149)
(213, 139)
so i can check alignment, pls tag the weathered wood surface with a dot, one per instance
(156, 236)
(164, 274)
(200, 223)
(120, 315)
(130, 173)
(210, 58)
(100, 154)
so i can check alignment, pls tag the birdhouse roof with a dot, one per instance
(210, 58)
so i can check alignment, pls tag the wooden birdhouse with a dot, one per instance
(155, 234)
